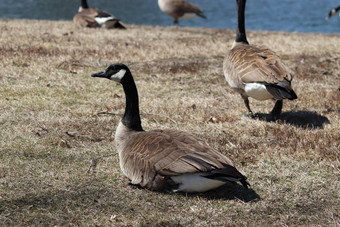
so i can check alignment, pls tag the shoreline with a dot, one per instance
(144, 25)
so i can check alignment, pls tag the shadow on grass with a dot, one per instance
(64, 205)
(302, 119)
(97, 200)
(79, 205)
(230, 191)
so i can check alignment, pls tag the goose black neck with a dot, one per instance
(241, 30)
(131, 118)
(84, 4)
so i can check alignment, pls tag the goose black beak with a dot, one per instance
(100, 74)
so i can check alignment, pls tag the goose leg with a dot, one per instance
(176, 21)
(246, 102)
(277, 110)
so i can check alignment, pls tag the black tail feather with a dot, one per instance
(201, 15)
(228, 173)
(280, 93)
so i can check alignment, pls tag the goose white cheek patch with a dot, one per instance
(118, 76)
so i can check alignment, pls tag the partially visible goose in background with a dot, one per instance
(332, 12)
(255, 71)
(94, 18)
(165, 160)
(179, 9)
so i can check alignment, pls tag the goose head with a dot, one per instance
(120, 73)
(116, 72)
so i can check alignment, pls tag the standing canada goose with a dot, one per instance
(255, 71)
(332, 12)
(94, 18)
(180, 9)
(165, 160)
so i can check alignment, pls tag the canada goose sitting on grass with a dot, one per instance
(165, 160)
(180, 9)
(256, 72)
(95, 18)
(332, 12)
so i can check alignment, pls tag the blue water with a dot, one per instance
(273, 15)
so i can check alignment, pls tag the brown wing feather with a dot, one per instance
(257, 64)
(85, 18)
(168, 153)
(186, 7)
(180, 7)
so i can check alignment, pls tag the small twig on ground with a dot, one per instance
(94, 162)
(74, 134)
(106, 112)
(41, 131)
(66, 143)
(71, 134)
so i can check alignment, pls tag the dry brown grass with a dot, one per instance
(50, 127)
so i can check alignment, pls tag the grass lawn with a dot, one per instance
(58, 163)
